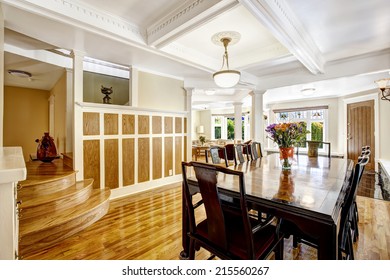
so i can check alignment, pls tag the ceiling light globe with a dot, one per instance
(226, 78)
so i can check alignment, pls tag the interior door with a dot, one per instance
(360, 130)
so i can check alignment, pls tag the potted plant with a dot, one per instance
(202, 139)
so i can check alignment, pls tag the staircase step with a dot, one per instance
(35, 206)
(45, 178)
(46, 230)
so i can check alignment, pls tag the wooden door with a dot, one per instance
(360, 130)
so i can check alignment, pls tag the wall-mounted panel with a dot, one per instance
(185, 148)
(185, 125)
(157, 158)
(143, 124)
(91, 123)
(168, 125)
(168, 156)
(178, 122)
(92, 161)
(110, 124)
(128, 124)
(128, 161)
(143, 160)
(178, 154)
(156, 125)
(111, 163)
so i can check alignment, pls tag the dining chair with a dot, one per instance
(354, 215)
(346, 230)
(240, 153)
(231, 153)
(248, 149)
(256, 151)
(216, 154)
(227, 232)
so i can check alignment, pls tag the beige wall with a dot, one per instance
(59, 93)
(160, 93)
(1, 76)
(26, 117)
(384, 129)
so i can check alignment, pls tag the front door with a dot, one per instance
(360, 129)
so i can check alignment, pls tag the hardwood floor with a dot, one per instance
(147, 226)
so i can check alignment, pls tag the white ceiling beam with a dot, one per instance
(185, 18)
(281, 21)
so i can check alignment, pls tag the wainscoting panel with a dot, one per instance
(157, 158)
(110, 124)
(92, 161)
(91, 123)
(128, 124)
(168, 125)
(129, 149)
(111, 163)
(143, 124)
(128, 161)
(168, 156)
(143, 159)
(156, 125)
(178, 154)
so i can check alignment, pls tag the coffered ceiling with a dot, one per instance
(337, 47)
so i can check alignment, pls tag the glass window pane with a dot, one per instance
(217, 132)
(230, 128)
(317, 132)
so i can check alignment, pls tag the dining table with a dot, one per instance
(309, 195)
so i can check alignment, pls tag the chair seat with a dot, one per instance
(262, 239)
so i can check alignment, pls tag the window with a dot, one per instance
(223, 127)
(314, 118)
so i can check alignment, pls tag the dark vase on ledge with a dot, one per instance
(46, 150)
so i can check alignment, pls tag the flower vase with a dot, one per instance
(286, 157)
(46, 150)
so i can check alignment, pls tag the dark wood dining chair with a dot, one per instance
(346, 230)
(217, 154)
(231, 153)
(228, 232)
(256, 151)
(240, 153)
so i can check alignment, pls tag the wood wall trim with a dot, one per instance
(91, 123)
(143, 160)
(128, 124)
(128, 161)
(110, 124)
(91, 156)
(157, 158)
(143, 124)
(156, 125)
(168, 156)
(168, 125)
(111, 163)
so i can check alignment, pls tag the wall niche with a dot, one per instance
(93, 83)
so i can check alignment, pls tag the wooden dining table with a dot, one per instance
(309, 195)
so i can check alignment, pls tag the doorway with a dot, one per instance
(361, 130)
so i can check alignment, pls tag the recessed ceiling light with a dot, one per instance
(307, 91)
(19, 73)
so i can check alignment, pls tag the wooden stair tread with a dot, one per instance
(33, 200)
(56, 218)
(42, 172)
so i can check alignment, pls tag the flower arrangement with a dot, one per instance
(287, 134)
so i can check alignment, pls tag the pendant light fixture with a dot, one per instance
(226, 78)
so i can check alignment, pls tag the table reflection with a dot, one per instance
(286, 187)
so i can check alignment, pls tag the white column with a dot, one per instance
(78, 161)
(257, 127)
(133, 101)
(237, 122)
(189, 122)
(69, 111)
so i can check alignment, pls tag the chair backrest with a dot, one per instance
(216, 154)
(350, 196)
(231, 153)
(256, 150)
(240, 153)
(207, 177)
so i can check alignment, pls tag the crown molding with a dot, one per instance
(185, 18)
(277, 16)
(81, 15)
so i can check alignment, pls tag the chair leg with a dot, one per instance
(191, 253)
(295, 241)
(279, 250)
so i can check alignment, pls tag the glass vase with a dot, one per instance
(286, 157)
(46, 150)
